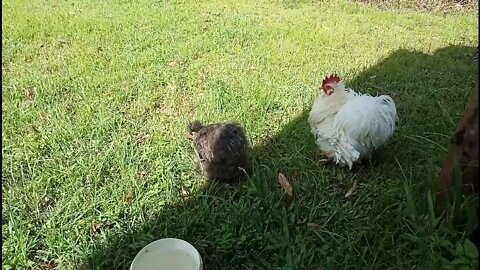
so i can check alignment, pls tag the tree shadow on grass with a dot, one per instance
(251, 227)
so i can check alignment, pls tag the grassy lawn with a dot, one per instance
(96, 96)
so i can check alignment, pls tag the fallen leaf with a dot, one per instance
(30, 93)
(142, 174)
(46, 203)
(35, 129)
(50, 265)
(285, 185)
(302, 221)
(128, 198)
(202, 75)
(140, 139)
(352, 189)
(313, 225)
(184, 192)
(97, 227)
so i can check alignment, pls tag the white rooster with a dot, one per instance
(348, 126)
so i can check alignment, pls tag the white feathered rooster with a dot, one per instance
(348, 126)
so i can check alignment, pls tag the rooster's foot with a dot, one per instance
(366, 161)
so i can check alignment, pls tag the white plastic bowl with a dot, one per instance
(167, 254)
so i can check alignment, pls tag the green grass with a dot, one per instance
(432, 6)
(96, 96)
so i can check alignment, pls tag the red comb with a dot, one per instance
(333, 78)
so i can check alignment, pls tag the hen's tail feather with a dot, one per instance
(195, 126)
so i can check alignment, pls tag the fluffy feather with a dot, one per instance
(223, 151)
(195, 126)
(348, 126)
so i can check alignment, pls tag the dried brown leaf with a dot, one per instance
(142, 174)
(352, 189)
(128, 198)
(30, 94)
(35, 129)
(302, 221)
(50, 265)
(97, 227)
(46, 203)
(313, 225)
(285, 185)
(184, 192)
(202, 75)
(140, 139)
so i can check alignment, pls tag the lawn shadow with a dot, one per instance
(248, 227)
(430, 92)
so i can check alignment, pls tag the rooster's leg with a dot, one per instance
(366, 160)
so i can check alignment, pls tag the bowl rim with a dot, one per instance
(197, 257)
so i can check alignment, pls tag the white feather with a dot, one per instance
(349, 126)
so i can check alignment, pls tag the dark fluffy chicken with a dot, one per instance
(223, 151)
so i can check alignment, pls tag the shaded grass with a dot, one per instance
(95, 101)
